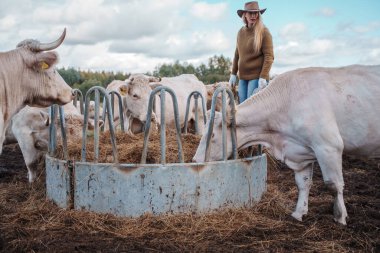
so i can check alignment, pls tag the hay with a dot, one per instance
(130, 147)
(29, 223)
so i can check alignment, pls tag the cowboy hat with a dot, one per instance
(251, 7)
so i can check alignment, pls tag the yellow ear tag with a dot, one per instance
(123, 91)
(44, 65)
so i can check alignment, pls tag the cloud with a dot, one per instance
(7, 23)
(373, 56)
(98, 58)
(136, 35)
(293, 31)
(351, 27)
(302, 52)
(325, 12)
(119, 32)
(297, 46)
(209, 12)
(178, 46)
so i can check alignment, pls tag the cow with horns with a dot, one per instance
(28, 77)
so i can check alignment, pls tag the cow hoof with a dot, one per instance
(297, 216)
(341, 221)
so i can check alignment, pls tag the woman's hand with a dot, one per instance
(233, 80)
(262, 83)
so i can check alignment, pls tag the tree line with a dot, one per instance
(216, 70)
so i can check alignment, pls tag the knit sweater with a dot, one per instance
(249, 64)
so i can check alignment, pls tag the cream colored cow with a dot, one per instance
(139, 90)
(28, 77)
(306, 116)
(30, 128)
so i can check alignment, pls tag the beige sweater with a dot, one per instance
(249, 64)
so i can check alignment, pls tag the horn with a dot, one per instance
(50, 46)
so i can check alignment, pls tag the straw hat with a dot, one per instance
(251, 7)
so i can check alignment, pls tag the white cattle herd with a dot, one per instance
(303, 116)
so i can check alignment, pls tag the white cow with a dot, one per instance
(28, 77)
(91, 109)
(132, 125)
(310, 115)
(139, 90)
(30, 128)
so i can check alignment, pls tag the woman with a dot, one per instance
(254, 52)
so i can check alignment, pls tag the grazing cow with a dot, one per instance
(139, 90)
(310, 115)
(91, 109)
(30, 128)
(132, 125)
(28, 77)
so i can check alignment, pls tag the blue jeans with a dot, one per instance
(246, 88)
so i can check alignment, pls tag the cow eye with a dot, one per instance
(135, 96)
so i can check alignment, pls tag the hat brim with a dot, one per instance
(240, 12)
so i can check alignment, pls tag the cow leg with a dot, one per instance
(2, 131)
(304, 180)
(331, 166)
(30, 154)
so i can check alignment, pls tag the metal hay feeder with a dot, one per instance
(136, 189)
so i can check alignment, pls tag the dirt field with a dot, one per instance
(29, 223)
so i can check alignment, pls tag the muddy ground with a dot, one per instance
(29, 223)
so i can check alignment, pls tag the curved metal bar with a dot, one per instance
(224, 126)
(121, 111)
(63, 132)
(233, 122)
(96, 122)
(196, 95)
(52, 130)
(112, 95)
(148, 122)
(79, 93)
(96, 129)
(162, 127)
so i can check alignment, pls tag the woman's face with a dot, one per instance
(251, 18)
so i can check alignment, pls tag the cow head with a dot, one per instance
(74, 126)
(216, 152)
(137, 97)
(41, 81)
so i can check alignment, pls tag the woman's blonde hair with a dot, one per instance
(258, 30)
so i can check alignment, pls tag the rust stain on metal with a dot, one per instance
(127, 170)
(198, 168)
(142, 176)
(248, 162)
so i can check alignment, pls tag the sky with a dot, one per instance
(135, 36)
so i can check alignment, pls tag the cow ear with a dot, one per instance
(45, 60)
(41, 145)
(45, 118)
(229, 117)
(208, 113)
(210, 92)
(154, 79)
(154, 85)
(123, 90)
(91, 124)
(101, 123)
